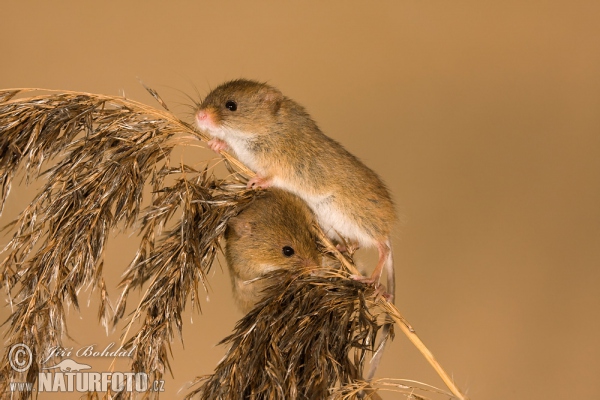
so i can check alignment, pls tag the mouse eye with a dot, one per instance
(231, 105)
(288, 251)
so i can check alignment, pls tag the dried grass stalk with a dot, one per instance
(309, 338)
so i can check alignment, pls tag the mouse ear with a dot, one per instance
(275, 106)
(273, 98)
(240, 226)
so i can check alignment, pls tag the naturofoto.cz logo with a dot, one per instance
(71, 376)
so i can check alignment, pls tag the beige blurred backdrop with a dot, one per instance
(482, 117)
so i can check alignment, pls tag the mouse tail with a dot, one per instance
(385, 330)
(389, 270)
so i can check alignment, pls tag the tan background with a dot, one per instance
(482, 117)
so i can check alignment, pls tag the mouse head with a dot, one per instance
(239, 106)
(273, 232)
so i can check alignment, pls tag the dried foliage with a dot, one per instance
(178, 263)
(105, 151)
(319, 332)
(308, 340)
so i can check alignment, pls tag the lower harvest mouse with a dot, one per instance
(273, 232)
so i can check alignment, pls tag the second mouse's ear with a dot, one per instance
(240, 226)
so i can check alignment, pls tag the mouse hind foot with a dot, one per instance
(380, 289)
(385, 257)
(259, 182)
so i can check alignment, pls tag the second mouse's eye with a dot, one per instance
(288, 251)
(231, 105)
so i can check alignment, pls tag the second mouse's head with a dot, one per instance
(274, 232)
(239, 107)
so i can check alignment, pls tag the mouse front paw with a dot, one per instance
(217, 145)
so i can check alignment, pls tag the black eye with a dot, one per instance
(288, 251)
(231, 105)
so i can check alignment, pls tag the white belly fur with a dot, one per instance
(238, 142)
(240, 148)
(334, 221)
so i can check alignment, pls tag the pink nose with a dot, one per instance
(201, 115)
(204, 119)
(309, 262)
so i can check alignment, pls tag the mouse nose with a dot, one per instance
(309, 262)
(204, 119)
(201, 115)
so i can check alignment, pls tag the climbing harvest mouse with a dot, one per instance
(276, 138)
(273, 232)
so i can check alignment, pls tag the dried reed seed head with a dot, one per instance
(319, 331)
(105, 151)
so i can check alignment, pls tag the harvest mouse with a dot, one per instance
(276, 138)
(273, 232)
